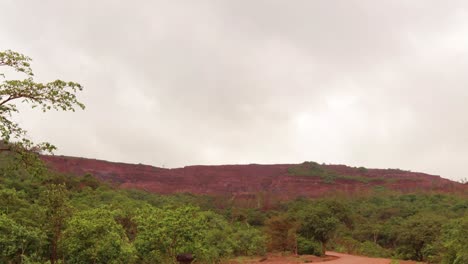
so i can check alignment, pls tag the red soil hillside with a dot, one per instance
(282, 181)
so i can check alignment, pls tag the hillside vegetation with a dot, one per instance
(52, 217)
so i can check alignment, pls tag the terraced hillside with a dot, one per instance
(281, 181)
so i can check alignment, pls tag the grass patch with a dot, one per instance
(313, 169)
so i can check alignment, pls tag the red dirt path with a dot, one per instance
(330, 258)
(351, 259)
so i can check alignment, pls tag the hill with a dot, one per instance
(247, 214)
(282, 181)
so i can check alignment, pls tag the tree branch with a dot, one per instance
(7, 100)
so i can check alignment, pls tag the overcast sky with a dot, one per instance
(172, 83)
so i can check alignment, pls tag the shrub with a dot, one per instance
(309, 246)
(372, 249)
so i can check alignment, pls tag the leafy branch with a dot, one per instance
(55, 95)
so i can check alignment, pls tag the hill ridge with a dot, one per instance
(280, 181)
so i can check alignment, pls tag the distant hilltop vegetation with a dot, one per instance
(281, 181)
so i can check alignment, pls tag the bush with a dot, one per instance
(456, 241)
(362, 169)
(346, 245)
(248, 241)
(372, 249)
(309, 246)
(93, 236)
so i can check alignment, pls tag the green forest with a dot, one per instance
(47, 217)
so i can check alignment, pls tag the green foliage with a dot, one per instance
(371, 249)
(164, 233)
(313, 169)
(455, 241)
(92, 221)
(57, 211)
(17, 241)
(247, 241)
(309, 246)
(416, 235)
(319, 227)
(10, 201)
(362, 170)
(54, 95)
(317, 222)
(216, 240)
(346, 244)
(93, 236)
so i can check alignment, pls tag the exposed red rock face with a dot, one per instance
(274, 181)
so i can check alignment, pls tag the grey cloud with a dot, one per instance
(372, 83)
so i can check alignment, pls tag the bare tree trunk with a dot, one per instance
(295, 245)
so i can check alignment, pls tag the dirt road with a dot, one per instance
(350, 259)
(330, 258)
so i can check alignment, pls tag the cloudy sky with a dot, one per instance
(172, 83)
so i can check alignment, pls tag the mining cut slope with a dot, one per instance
(279, 180)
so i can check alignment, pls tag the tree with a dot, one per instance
(216, 240)
(17, 241)
(317, 222)
(55, 200)
(248, 241)
(281, 233)
(54, 95)
(417, 235)
(10, 201)
(162, 234)
(455, 239)
(93, 236)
